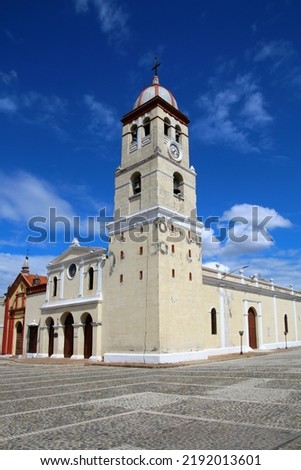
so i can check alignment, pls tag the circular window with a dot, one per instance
(72, 270)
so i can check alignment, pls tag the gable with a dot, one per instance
(74, 253)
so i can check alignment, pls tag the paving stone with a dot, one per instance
(249, 402)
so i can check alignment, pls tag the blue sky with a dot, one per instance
(70, 69)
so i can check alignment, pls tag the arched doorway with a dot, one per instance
(252, 328)
(68, 333)
(50, 324)
(88, 337)
(19, 338)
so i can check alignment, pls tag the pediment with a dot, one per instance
(75, 252)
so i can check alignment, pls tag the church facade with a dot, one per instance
(147, 298)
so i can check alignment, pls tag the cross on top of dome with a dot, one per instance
(155, 90)
(155, 67)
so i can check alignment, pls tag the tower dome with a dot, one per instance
(155, 90)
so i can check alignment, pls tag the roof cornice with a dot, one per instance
(149, 105)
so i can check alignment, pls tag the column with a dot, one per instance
(48, 290)
(96, 342)
(99, 278)
(81, 278)
(260, 332)
(139, 132)
(222, 317)
(44, 341)
(62, 278)
(276, 320)
(295, 320)
(246, 324)
(58, 341)
(78, 341)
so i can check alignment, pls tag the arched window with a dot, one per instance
(91, 278)
(285, 324)
(134, 131)
(54, 292)
(178, 134)
(213, 322)
(146, 126)
(178, 184)
(136, 182)
(166, 126)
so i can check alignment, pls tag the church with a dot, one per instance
(148, 299)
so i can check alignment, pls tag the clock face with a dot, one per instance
(175, 151)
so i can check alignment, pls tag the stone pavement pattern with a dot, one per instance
(244, 403)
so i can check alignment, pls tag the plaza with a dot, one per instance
(248, 401)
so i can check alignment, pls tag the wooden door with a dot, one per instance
(50, 337)
(33, 339)
(88, 337)
(68, 343)
(19, 338)
(252, 328)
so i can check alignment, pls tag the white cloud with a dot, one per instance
(244, 229)
(254, 111)
(242, 236)
(282, 268)
(33, 211)
(82, 5)
(255, 214)
(11, 264)
(24, 196)
(35, 108)
(112, 17)
(8, 105)
(7, 78)
(103, 121)
(43, 110)
(277, 51)
(234, 115)
(284, 63)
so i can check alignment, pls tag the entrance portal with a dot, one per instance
(88, 337)
(19, 338)
(50, 325)
(252, 328)
(68, 343)
(33, 339)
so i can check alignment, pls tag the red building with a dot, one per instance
(15, 309)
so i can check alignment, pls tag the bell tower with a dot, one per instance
(153, 279)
